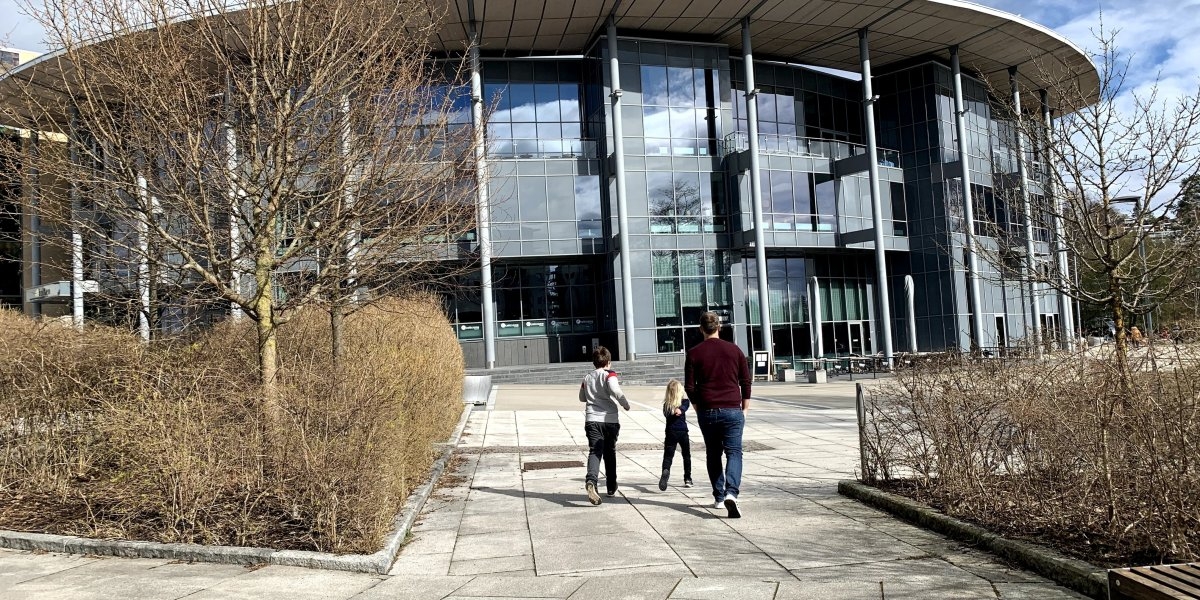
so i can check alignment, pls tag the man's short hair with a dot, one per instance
(601, 357)
(710, 323)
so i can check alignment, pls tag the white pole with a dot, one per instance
(1027, 206)
(881, 276)
(482, 211)
(76, 232)
(1065, 304)
(614, 67)
(760, 244)
(960, 128)
(145, 213)
(910, 300)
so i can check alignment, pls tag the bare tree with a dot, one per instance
(1110, 167)
(254, 159)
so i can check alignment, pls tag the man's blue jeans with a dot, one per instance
(722, 430)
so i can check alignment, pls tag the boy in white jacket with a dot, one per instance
(601, 392)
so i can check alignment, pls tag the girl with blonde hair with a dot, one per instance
(675, 407)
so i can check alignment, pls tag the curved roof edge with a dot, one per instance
(820, 33)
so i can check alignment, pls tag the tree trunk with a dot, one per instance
(268, 363)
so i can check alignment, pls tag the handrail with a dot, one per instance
(790, 145)
(542, 148)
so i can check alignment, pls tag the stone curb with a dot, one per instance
(380, 562)
(1081, 576)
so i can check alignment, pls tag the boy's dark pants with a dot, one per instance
(673, 437)
(602, 441)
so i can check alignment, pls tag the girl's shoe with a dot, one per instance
(688, 483)
(662, 481)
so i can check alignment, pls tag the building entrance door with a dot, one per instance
(858, 342)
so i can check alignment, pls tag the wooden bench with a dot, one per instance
(1160, 582)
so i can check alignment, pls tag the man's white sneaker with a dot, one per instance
(593, 497)
(731, 504)
(719, 504)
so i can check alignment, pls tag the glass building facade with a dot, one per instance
(593, 239)
(554, 206)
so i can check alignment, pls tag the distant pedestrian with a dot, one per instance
(675, 407)
(602, 393)
(717, 379)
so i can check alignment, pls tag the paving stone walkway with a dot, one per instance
(502, 526)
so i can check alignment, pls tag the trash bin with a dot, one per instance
(817, 376)
(785, 373)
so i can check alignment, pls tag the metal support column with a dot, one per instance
(483, 211)
(76, 231)
(881, 275)
(960, 128)
(1035, 312)
(760, 244)
(814, 320)
(235, 201)
(35, 221)
(614, 68)
(1066, 306)
(143, 253)
(911, 305)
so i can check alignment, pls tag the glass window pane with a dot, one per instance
(654, 85)
(681, 86)
(523, 102)
(548, 109)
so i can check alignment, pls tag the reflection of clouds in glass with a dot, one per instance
(677, 123)
(682, 86)
(587, 198)
(563, 110)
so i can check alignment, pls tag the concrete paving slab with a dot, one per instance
(492, 545)
(724, 588)
(522, 587)
(626, 587)
(415, 563)
(288, 583)
(509, 565)
(1035, 591)
(414, 588)
(16, 567)
(123, 578)
(843, 590)
(557, 556)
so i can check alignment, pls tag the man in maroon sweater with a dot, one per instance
(717, 380)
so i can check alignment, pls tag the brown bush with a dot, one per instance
(105, 437)
(1050, 450)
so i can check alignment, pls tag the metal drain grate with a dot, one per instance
(551, 464)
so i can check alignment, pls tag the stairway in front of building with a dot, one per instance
(639, 372)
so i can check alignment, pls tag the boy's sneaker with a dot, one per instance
(688, 482)
(593, 497)
(662, 481)
(731, 503)
(719, 504)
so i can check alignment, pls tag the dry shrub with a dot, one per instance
(1051, 450)
(105, 437)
